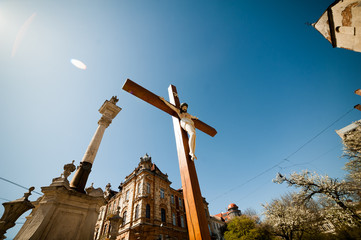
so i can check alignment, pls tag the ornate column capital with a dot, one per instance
(109, 110)
(105, 121)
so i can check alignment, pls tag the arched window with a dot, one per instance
(162, 214)
(147, 211)
(124, 217)
(136, 215)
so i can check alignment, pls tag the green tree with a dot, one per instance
(246, 228)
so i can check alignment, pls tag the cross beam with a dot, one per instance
(154, 100)
(196, 218)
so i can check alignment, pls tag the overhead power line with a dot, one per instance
(285, 159)
(16, 184)
(249, 180)
(309, 141)
(5, 199)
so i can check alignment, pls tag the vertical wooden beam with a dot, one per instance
(193, 200)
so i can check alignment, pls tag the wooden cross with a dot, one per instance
(194, 205)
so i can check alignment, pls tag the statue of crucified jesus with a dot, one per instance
(186, 123)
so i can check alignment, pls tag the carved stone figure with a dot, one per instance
(107, 192)
(68, 169)
(114, 99)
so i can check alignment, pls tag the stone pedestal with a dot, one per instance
(62, 213)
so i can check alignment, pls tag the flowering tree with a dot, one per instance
(312, 184)
(290, 218)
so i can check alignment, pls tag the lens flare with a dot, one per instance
(79, 64)
(21, 34)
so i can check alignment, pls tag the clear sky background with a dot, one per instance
(253, 70)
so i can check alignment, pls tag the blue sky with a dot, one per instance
(255, 71)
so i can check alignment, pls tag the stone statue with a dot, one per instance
(68, 169)
(114, 99)
(186, 123)
(63, 179)
(107, 192)
(94, 192)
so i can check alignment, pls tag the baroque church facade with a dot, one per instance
(149, 207)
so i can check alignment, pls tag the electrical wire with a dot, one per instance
(313, 160)
(285, 159)
(300, 164)
(249, 180)
(5, 199)
(16, 184)
(309, 141)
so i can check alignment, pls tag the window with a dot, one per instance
(127, 195)
(105, 228)
(148, 187)
(101, 213)
(161, 193)
(180, 202)
(147, 211)
(139, 188)
(162, 214)
(136, 215)
(173, 219)
(172, 199)
(182, 221)
(115, 206)
(124, 217)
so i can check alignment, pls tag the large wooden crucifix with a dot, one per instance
(194, 205)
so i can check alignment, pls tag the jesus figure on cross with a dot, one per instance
(186, 123)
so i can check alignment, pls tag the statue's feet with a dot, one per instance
(193, 157)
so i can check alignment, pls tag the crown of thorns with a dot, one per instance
(183, 104)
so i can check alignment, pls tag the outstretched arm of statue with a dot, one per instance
(170, 105)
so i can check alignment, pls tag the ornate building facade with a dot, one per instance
(149, 207)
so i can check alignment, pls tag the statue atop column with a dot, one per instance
(109, 111)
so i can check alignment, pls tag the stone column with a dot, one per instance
(109, 111)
